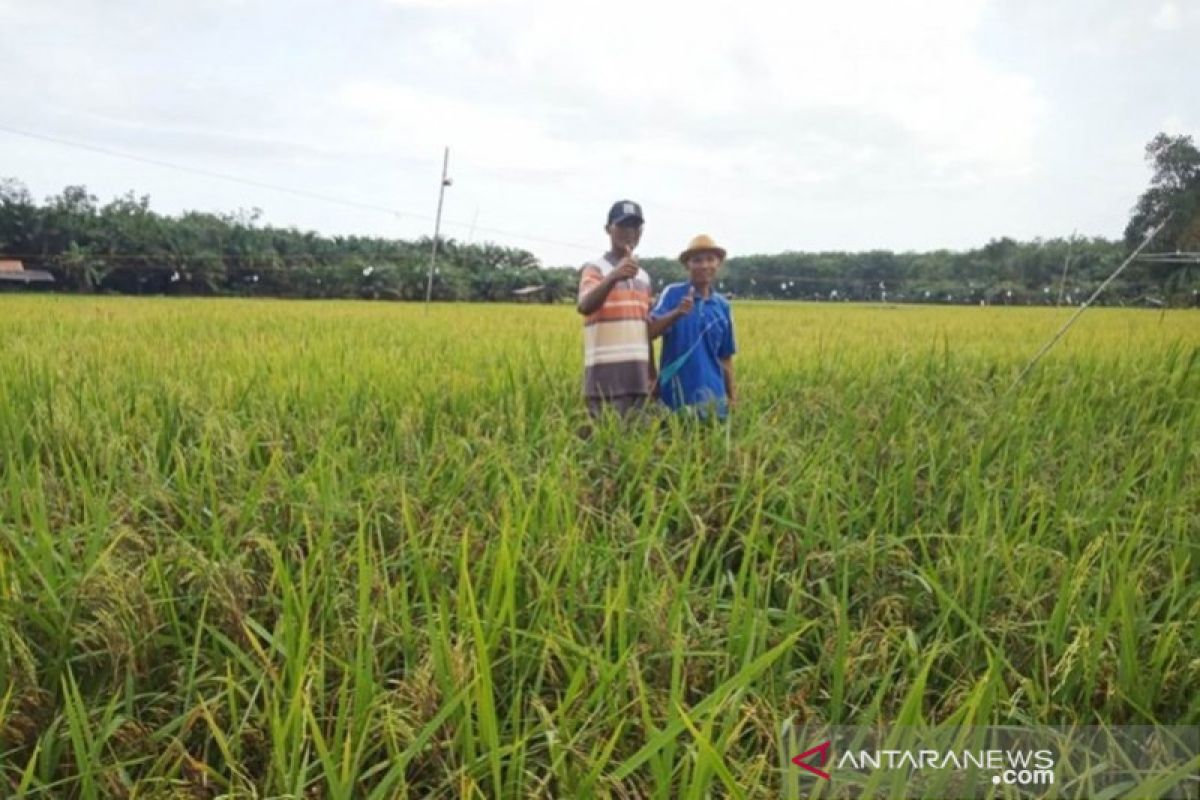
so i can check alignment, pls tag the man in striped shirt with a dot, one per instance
(614, 299)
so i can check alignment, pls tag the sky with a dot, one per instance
(771, 126)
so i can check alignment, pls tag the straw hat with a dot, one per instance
(700, 244)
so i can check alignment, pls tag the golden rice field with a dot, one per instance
(256, 548)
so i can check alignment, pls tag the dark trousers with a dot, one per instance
(624, 404)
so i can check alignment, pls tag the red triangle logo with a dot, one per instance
(822, 752)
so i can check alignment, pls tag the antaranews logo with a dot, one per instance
(1009, 767)
(822, 751)
(910, 761)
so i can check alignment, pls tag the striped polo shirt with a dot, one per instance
(616, 345)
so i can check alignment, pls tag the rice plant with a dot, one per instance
(356, 550)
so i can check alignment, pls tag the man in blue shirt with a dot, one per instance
(697, 329)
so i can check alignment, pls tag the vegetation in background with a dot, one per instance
(124, 246)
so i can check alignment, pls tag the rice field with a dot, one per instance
(256, 548)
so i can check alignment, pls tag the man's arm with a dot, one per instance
(727, 373)
(657, 326)
(593, 294)
(591, 299)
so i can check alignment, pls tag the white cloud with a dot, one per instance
(766, 60)
(440, 4)
(410, 120)
(1167, 18)
(753, 113)
(1173, 124)
(775, 125)
(675, 70)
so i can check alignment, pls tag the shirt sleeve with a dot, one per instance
(589, 276)
(728, 346)
(664, 305)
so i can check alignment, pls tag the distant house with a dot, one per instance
(14, 272)
(528, 293)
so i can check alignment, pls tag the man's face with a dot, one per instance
(703, 267)
(624, 234)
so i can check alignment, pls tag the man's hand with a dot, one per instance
(687, 303)
(657, 327)
(627, 268)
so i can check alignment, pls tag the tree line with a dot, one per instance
(123, 246)
(1004, 271)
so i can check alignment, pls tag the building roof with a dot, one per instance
(13, 271)
(27, 276)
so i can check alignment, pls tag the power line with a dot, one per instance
(201, 171)
(1084, 306)
(220, 254)
(395, 212)
(768, 283)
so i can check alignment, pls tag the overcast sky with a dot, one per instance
(769, 125)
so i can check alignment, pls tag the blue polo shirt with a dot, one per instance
(705, 336)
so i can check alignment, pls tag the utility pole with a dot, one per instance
(437, 226)
(1062, 284)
